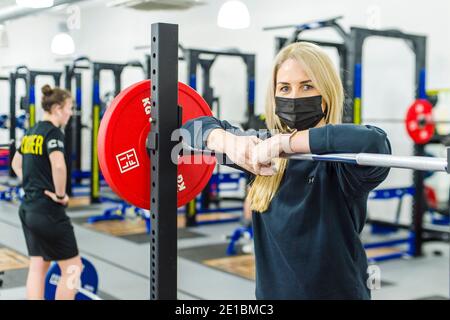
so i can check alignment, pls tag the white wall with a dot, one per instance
(110, 34)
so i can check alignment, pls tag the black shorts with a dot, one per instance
(48, 230)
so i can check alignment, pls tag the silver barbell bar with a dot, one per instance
(365, 159)
(54, 280)
(380, 160)
(88, 294)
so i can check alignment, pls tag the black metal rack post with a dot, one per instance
(73, 127)
(12, 118)
(29, 102)
(358, 36)
(33, 75)
(165, 119)
(97, 68)
(417, 44)
(194, 59)
(192, 56)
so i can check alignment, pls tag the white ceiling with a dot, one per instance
(7, 3)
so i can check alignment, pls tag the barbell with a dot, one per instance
(124, 157)
(88, 282)
(382, 160)
(419, 122)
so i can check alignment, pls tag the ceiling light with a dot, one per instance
(233, 15)
(35, 3)
(63, 44)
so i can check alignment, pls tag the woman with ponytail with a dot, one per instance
(307, 216)
(40, 164)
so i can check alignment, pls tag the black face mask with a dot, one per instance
(299, 113)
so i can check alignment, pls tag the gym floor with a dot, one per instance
(122, 263)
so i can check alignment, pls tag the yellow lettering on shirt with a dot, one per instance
(32, 144)
(38, 145)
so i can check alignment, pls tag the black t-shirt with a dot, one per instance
(37, 144)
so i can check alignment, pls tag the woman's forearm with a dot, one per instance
(300, 142)
(59, 179)
(18, 172)
(348, 138)
(16, 165)
(217, 139)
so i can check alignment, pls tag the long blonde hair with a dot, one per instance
(320, 69)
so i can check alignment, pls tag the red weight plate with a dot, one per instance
(419, 121)
(431, 197)
(123, 157)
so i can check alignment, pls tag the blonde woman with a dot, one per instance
(307, 216)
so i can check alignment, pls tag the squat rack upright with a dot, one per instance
(166, 117)
(74, 131)
(28, 102)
